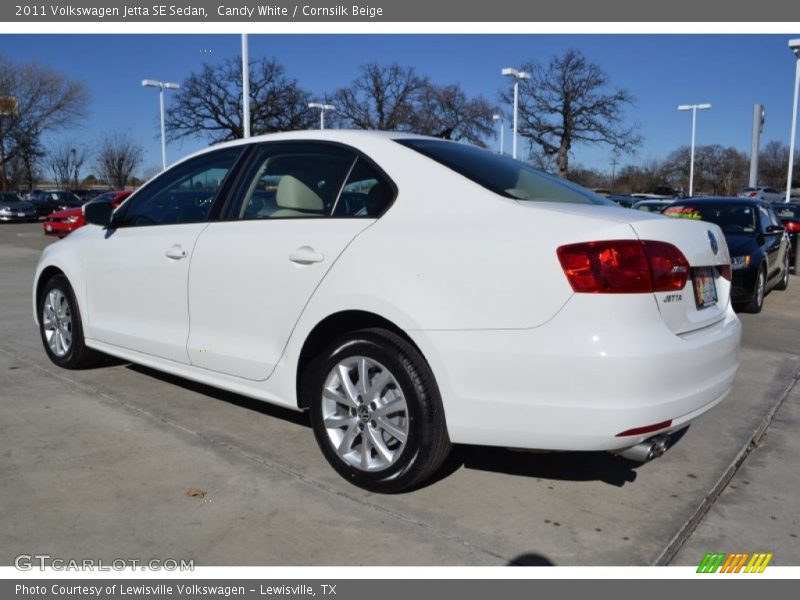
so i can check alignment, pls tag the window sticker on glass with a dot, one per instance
(683, 212)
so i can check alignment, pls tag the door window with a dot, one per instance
(294, 181)
(183, 194)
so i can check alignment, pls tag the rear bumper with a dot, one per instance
(582, 378)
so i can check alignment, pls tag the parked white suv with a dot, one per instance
(763, 193)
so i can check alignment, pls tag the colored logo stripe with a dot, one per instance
(734, 562)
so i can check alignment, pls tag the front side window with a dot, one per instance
(503, 175)
(183, 194)
(298, 180)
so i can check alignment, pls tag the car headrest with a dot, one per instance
(293, 193)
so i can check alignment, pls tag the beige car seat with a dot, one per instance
(295, 199)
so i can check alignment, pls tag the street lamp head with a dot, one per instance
(795, 46)
(150, 83)
(509, 72)
(703, 106)
(321, 106)
(172, 86)
(497, 118)
(694, 106)
(523, 75)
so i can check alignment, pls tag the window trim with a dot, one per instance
(226, 211)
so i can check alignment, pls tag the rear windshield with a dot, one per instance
(731, 218)
(503, 175)
(787, 212)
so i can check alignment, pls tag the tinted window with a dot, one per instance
(787, 212)
(732, 218)
(184, 193)
(365, 193)
(294, 180)
(503, 175)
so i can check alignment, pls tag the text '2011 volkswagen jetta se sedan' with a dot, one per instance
(409, 292)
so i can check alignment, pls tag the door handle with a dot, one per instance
(176, 252)
(306, 255)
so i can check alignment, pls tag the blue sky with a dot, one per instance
(730, 71)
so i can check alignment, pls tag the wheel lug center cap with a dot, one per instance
(363, 413)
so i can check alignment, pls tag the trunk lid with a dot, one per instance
(703, 244)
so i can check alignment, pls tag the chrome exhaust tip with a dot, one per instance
(646, 450)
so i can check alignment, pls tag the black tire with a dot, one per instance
(427, 444)
(784, 282)
(756, 303)
(77, 356)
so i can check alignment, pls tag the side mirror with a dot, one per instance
(775, 229)
(98, 213)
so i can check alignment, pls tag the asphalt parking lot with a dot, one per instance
(95, 464)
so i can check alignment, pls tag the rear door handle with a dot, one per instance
(306, 255)
(176, 252)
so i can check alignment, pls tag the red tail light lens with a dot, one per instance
(623, 267)
(753, 194)
(793, 226)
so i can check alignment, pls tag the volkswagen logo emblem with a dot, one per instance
(712, 239)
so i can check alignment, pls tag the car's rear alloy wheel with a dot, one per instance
(60, 326)
(377, 413)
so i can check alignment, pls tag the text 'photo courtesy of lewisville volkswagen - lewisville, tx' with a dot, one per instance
(393, 299)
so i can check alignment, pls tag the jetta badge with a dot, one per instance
(713, 241)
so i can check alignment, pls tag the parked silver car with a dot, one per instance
(763, 193)
(13, 208)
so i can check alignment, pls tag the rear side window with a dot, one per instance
(365, 193)
(732, 218)
(182, 194)
(503, 175)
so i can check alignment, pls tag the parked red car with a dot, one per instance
(65, 222)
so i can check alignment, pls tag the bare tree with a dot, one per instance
(445, 111)
(65, 161)
(717, 170)
(209, 103)
(567, 102)
(117, 158)
(38, 100)
(381, 97)
(773, 165)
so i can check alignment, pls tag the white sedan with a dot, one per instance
(409, 292)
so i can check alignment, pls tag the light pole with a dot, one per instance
(161, 85)
(499, 118)
(694, 108)
(795, 46)
(322, 108)
(517, 75)
(245, 87)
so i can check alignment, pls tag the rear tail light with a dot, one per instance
(623, 267)
(793, 226)
(753, 195)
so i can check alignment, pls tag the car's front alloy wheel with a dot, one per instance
(60, 326)
(376, 412)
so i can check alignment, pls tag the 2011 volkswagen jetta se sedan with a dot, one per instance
(409, 292)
